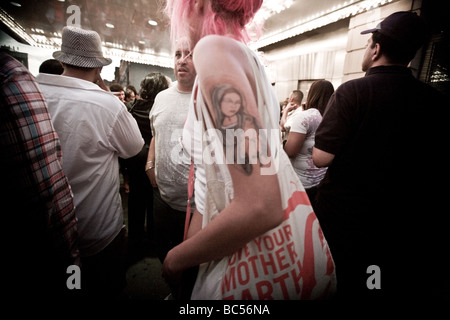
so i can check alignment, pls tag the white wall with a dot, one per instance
(316, 55)
(333, 52)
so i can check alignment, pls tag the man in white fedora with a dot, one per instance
(95, 129)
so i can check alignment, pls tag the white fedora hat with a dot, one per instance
(81, 48)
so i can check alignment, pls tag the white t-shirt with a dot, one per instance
(287, 125)
(167, 118)
(95, 129)
(306, 122)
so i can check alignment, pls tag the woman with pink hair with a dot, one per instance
(236, 202)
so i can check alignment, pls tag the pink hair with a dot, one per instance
(221, 17)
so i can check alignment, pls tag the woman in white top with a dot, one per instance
(256, 207)
(244, 199)
(302, 129)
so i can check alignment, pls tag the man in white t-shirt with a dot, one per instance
(294, 105)
(167, 170)
(95, 129)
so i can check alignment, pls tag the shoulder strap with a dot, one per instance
(190, 194)
(191, 180)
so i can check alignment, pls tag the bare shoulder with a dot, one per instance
(216, 41)
(211, 49)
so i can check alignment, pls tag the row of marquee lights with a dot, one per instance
(270, 7)
(320, 19)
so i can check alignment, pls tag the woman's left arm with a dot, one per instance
(256, 205)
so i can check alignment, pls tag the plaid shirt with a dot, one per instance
(42, 215)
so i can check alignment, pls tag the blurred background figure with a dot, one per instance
(131, 95)
(293, 105)
(117, 90)
(51, 66)
(302, 127)
(140, 196)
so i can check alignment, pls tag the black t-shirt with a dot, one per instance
(382, 196)
(381, 129)
(140, 111)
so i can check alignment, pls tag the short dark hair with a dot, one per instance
(394, 50)
(51, 66)
(115, 87)
(132, 88)
(298, 95)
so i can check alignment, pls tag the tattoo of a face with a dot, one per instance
(239, 129)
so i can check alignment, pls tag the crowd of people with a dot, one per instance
(67, 137)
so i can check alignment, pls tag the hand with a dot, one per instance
(99, 81)
(170, 272)
(291, 106)
(126, 184)
(152, 177)
(126, 187)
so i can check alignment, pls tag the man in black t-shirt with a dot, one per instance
(380, 202)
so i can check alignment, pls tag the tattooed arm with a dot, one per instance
(256, 206)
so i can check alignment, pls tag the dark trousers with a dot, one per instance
(168, 225)
(103, 275)
(140, 206)
(169, 232)
(140, 197)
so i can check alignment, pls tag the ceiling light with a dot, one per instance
(110, 25)
(152, 22)
(271, 7)
(16, 4)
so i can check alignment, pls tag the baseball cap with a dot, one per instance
(403, 26)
